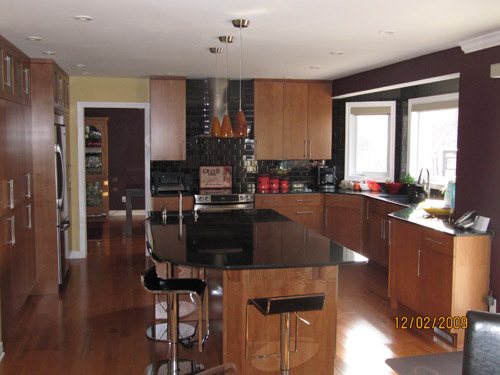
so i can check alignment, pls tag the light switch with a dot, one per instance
(495, 70)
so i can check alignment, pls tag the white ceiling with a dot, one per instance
(137, 38)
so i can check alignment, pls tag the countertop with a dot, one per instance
(243, 239)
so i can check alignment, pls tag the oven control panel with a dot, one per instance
(223, 198)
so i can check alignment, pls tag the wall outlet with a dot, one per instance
(124, 199)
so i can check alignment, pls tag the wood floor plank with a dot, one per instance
(97, 323)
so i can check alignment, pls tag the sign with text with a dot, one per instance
(216, 177)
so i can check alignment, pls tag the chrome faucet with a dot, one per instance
(425, 183)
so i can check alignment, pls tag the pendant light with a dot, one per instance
(241, 121)
(227, 128)
(215, 130)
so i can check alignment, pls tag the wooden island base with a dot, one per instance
(316, 342)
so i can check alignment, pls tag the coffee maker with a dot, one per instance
(326, 178)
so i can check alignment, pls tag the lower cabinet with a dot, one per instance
(306, 209)
(376, 227)
(344, 220)
(438, 275)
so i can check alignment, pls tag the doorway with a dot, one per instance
(125, 144)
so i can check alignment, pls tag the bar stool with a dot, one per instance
(158, 331)
(284, 306)
(226, 369)
(173, 288)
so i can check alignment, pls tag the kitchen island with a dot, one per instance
(254, 254)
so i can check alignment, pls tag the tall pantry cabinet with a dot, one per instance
(49, 98)
(17, 246)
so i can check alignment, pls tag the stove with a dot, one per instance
(223, 202)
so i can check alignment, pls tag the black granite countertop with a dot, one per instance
(418, 216)
(243, 239)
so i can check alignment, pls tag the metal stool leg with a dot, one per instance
(284, 343)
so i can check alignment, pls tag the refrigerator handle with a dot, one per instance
(60, 176)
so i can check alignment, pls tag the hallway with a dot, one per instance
(97, 324)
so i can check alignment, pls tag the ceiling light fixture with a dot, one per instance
(34, 38)
(336, 53)
(387, 32)
(82, 18)
(314, 67)
(49, 52)
(227, 128)
(80, 65)
(241, 121)
(215, 129)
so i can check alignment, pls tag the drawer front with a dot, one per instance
(438, 241)
(268, 201)
(172, 203)
(302, 200)
(340, 200)
(310, 217)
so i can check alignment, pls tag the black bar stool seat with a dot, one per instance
(284, 306)
(155, 284)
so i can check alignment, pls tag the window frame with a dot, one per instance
(350, 140)
(425, 100)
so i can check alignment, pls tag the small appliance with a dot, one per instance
(166, 183)
(326, 178)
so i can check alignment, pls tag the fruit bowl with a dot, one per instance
(435, 207)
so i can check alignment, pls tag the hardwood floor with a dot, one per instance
(97, 324)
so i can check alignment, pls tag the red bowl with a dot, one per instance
(393, 188)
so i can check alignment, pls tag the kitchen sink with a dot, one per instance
(404, 199)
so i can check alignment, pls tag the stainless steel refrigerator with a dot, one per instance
(63, 223)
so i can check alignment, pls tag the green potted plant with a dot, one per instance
(407, 180)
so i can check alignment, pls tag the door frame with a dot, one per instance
(82, 207)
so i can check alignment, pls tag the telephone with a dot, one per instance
(466, 221)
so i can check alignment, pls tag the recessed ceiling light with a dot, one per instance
(83, 18)
(336, 53)
(80, 65)
(34, 38)
(387, 32)
(86, 73)
(49, 52)
(314, 67)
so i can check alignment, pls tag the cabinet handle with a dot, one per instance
(29, 224)
(389, 225)
(11, 194)
(326, 217)
(418, 262)
(382, 228)
(310, 149)
(433, 240)
(304, 200)
(28, 185)
(367, 210)
(8, 69)
(304, 212)
(305, 148)
(12, 240)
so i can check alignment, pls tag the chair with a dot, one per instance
(284, 306)
(173, 288)
(482, 344)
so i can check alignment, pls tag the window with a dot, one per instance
(432, 137)
(370, 140)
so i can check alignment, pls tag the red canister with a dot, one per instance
(284, 185)
(263, 183)
(274, 185)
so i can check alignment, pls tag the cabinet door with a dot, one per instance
(6, 246)
(405, 256)
(343, 225)
(26, 82)
(319, 120)
(295, 144)
(168, 119)
(435, 274)
(375, 244)
(268, 120)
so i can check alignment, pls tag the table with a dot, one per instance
(253, 254)
(131, 192)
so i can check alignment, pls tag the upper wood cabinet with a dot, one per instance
(15, 74)
(268, 120)
(168, 118)
(292, 120)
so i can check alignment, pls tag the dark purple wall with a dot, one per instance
(478, 158)
(126, 152)
(478, 162)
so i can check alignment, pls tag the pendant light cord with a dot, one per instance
(241, 59)
(227, 78)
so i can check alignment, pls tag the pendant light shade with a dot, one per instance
(241, 129)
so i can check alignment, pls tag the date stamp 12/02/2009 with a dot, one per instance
(428, 322)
